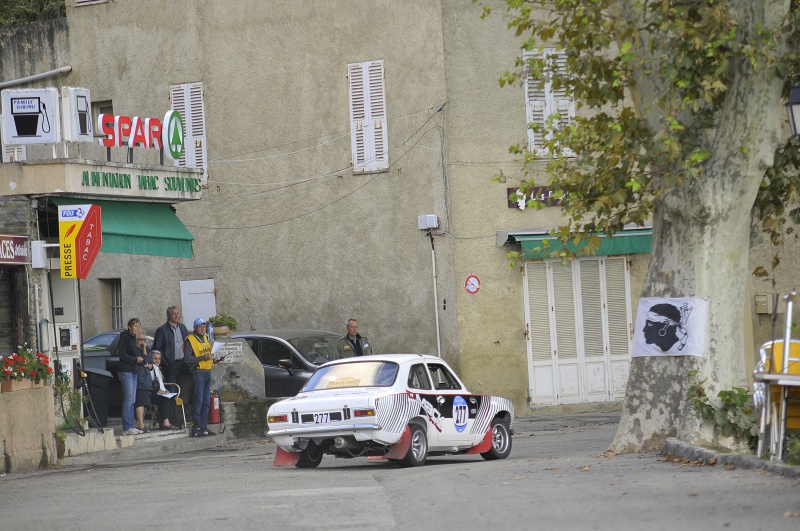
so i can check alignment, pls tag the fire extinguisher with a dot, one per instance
(213, 412)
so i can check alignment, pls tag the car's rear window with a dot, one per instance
(357, 374)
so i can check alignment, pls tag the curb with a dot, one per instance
(146, 451)
(694, 453)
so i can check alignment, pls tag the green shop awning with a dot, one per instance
(629, 241)
(139, 228)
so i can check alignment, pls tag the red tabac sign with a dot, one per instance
(80, 235)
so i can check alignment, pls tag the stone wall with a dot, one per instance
(27, 429)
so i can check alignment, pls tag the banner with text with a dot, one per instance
(80, 236)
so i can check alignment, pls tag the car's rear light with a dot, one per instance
(278, 418)
(363, 412)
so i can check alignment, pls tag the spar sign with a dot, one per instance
(80, 236)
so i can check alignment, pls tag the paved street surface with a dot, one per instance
(556, 478)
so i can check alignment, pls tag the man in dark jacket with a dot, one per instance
(353, 344)
(130, 357)
(169, 340)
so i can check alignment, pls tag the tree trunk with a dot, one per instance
(700, 249)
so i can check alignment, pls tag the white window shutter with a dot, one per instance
(545, 101)
(14, 153)
(197, 127)
(369, 140)
(187, 99)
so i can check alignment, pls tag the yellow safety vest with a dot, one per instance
(200, 350)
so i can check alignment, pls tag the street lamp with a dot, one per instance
(793, 108)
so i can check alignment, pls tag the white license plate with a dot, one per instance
(321, 418)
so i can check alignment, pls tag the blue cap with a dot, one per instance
(199, 321)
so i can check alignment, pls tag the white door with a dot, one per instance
(198, 299)
(578, 330)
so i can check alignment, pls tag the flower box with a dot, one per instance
(9, 386)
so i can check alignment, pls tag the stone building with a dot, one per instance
(320, 132)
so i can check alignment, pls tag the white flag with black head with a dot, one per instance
(670, 327)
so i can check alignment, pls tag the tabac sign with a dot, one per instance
(80, 237)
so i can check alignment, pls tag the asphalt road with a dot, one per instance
(557, 477)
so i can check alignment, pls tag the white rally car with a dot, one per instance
(403, 407)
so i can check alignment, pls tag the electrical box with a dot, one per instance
(765, 304)
(428, 221)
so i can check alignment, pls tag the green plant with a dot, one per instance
(223, 319)
(68, 402)
(793, 450)
(735, 416)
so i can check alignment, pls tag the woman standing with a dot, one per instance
(130, 356)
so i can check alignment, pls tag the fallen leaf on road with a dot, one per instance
(608, 453)
(692, 494)
(790, 514)
(584, 469)
(713, 460)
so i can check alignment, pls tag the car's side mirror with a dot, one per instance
(286, 364)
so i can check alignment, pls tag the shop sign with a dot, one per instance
(80, 236)
(150, 133)
(30, 116)
(14, 250)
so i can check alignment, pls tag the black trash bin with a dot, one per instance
(99, 383)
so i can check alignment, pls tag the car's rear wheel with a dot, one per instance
(501, 441)
(311, 457)
(418, 451)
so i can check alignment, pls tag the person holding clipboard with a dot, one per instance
(197, 355)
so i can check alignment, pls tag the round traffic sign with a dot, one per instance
(472, 284)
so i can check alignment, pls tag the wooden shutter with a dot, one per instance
(546, 101)
(187, 99)
(539, 329)
(369, 140)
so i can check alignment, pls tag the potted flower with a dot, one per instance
(223, 324)
(23, 367)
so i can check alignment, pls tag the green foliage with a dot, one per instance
(652, 79)
(793, 450)
(68, 402)
(734, 417)
(15, 12)
(223, 319)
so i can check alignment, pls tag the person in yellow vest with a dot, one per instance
(197, 355)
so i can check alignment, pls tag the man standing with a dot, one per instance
(197, 355)
(353, 344)
(169, 340)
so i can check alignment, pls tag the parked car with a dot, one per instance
(97, 356)
(289, 356)
(404, 407)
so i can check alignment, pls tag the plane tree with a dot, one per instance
(681, 122)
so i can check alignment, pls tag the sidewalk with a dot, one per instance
(111, 446)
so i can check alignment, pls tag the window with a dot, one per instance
(98, 108)
(418, 377)
(111, 298)
(368, 117)
(542, 102)
(187, 99)
(442, 378)
(270, 352)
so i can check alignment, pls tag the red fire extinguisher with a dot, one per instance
(213, 412)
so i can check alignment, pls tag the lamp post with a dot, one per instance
(793, 108)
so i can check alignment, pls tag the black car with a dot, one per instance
(289, 356)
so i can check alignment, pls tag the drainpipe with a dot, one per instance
(36, 77)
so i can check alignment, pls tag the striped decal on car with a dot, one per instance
(394, 411)
(490, 406)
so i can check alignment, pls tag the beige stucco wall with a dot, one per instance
(290, 240)
(27, 428)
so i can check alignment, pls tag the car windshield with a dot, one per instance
(356, 374)
(317, 349)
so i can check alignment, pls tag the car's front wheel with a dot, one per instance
(418, 451)
(501, 441)
(310, 457)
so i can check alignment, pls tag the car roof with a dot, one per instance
(284, 333)
(396, 358)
